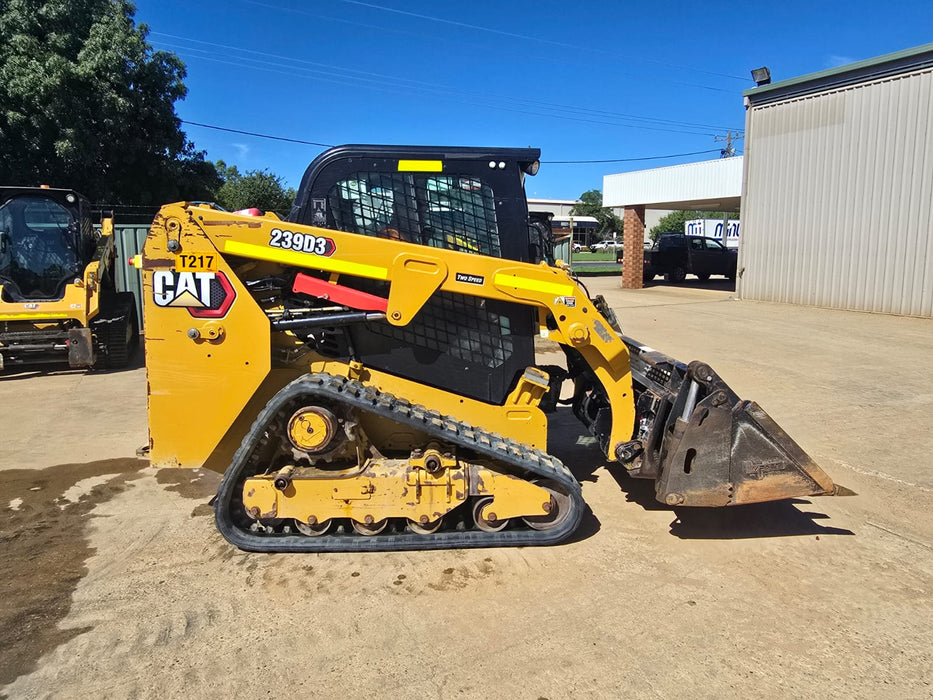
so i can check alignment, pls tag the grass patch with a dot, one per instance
(597, 270)
(599, 256)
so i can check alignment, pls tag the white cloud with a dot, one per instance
(241, 148)
(836, 61)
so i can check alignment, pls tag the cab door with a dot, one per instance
(699, 257)
(719, 259)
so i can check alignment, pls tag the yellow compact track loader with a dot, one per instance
(364, 372)
(58, 301)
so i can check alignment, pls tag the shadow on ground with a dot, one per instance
(718, 284)
(754, 520)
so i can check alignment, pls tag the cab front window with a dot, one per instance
(38, 255)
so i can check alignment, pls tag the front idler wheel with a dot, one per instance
(558, 508)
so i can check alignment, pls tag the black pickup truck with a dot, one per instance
(676, 255)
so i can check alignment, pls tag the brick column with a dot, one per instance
(633, 247)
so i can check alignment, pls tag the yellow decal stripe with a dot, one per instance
(420, 166)
(555, 288)
(317, 262)
(30, 315)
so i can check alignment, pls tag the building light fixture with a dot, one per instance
(761, 76)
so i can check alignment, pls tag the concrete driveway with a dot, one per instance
(117, 585)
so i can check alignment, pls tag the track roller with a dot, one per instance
(370, 529)
(315, 529)
(485, 517)
(425, 528)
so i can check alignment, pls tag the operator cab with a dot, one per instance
(463, 199)
(46, 239)
(458, 198)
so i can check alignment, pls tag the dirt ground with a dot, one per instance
(117, 585)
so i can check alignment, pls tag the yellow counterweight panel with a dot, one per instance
(201, 371)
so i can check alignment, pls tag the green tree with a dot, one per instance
(591, 204)
(256, 188)
(86, 103)
(676, 221)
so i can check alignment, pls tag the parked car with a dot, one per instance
(576, 247)
(605, 245)
(676, 255)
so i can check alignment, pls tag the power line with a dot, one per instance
(553, 57)
(257, 135)
(378, 86)
(377, 81)
(382, 78)
(627, 160)
(543, 162)
(525, 37)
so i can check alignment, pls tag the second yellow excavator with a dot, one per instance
(364, 372)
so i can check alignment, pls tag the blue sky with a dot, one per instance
(581, 81)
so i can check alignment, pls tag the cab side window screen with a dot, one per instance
(460, 214)
(365, 203)
(443, 211)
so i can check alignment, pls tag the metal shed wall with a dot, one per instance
(129, 239)
(838, 195)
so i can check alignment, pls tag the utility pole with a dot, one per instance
(570, 253)
(727, 152)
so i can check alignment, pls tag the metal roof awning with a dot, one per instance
(581, 220)
(712, 185)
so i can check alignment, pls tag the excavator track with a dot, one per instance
(508, 455)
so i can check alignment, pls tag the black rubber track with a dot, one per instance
(117, 329)
(511, 457)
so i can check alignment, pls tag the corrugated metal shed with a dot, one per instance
(837, 206)
(129, 240)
